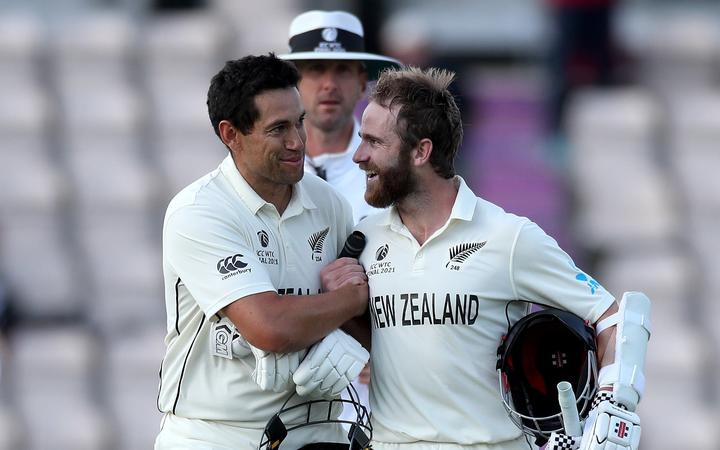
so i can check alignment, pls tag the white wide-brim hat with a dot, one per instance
(333, 35)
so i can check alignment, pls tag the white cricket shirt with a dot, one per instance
(438, 315)
(344, 175)
(222, 242)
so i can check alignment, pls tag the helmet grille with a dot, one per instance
(541, 350)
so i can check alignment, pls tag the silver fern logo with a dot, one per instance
(462, 252)
(316, 241)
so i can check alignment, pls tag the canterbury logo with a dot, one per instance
(230, 264)
(381, 252)
(460, 253)
(316, 241)
(264, 238)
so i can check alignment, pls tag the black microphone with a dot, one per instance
(354, 245)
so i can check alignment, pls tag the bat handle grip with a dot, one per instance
(568, 408)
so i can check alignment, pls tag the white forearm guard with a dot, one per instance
(633, 332)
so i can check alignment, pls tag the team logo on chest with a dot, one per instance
(379, 266)
(460, 253)
(381, 252)
(265, 255)
(316, 241)
(263, 237)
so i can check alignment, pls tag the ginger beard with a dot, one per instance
(389, 186)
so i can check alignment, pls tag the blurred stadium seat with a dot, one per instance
(123, 257)
(623, 195)
(677, 46)
(53, 378)
(695, 152)
(22, 43)
(181, 49)
(103, 119)
(104, 157)
(180, 53)
(91, 51)
(29, 179)
(11, 435)
(178, 157)
(132, 378)
(41, 267)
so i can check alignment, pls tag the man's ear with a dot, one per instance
(228, 133)
(422, 151)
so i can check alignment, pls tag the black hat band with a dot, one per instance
(327, 40)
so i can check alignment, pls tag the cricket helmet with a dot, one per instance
(318, 413)
(539, 351)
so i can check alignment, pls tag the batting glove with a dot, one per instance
(240, 347)
(610, 426)
(560, 441)
(330, 366)
(273, 371)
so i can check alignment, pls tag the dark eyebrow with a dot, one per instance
(282, 122)
(369, 136)
(277, 124)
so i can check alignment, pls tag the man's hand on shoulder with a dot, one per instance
(348, 276)
(341, 272)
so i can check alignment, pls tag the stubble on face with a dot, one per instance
(384, 158)
(393, 183)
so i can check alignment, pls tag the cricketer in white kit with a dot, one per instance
(438, 312)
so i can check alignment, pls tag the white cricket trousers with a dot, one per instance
(516, 444)
(180, 433)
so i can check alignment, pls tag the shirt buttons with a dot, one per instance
(419, 262)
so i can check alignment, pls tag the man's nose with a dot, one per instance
(295, 139)
(360, 154)
(329, 80)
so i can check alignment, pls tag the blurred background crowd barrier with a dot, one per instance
(599, 120)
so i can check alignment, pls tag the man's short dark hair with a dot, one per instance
(233, 90)
(426, 109)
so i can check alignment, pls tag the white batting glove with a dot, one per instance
(330, 365)
(240, 347)
(609, 426)
(273, 371)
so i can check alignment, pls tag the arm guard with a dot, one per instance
(633, 332)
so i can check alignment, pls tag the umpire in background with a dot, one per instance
(328, 49)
